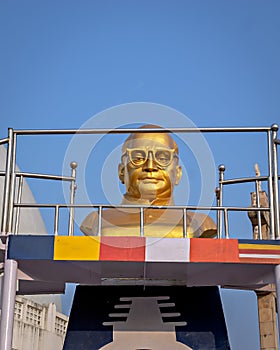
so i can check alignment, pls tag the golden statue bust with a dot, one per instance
(149, 169)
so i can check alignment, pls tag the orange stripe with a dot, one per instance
(259, 261)
(214, 250)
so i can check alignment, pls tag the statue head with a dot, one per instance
(150, 170)
(149, 165)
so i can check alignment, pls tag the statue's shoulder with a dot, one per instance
(204, 225)
(90, 223)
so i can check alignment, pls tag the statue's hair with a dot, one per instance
(133, 136)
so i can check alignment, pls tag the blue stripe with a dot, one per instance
(30, 247)
(259, 241)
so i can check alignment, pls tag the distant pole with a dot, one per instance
(8, 304)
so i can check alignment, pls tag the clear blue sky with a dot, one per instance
(216, 61)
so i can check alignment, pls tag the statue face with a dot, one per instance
(149, 167)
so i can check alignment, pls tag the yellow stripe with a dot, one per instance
(76, 248)
(259, 246)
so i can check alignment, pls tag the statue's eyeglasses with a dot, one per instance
(161, 156)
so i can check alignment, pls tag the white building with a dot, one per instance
(38, 326)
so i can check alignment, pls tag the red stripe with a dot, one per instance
(122, 248)
(259, 251)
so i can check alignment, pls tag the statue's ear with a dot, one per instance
(121, 172)
(178, 174)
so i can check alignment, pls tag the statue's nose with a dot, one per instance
(150, 164)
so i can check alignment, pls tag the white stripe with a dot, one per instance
(168, 249)
(262, 256)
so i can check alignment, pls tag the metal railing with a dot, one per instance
(12, 205)
(141, 208)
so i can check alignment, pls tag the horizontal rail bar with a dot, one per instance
(45, 176)
(2, 141)
(277, 141)
(41, 176)
(125, 206)
(244, 179)
(133, 130)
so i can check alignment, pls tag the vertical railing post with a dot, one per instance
(222, 169)
(8, 304)
(226, 223)
(10, 266)
(99, 221)
(218, 212)
(73, 187)
(270, 186)
(7, 190)
(20, 187)
(275, 128)
(185, 229)
(12, 186)
(258, 205)
(141, 222)
(56, 219)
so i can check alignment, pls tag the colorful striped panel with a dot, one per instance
(258, 251)
(90, 248)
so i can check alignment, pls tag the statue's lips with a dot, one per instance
(148, 180)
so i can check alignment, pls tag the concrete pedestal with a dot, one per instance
(158, 318)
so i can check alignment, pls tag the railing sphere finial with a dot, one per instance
(274, 127)
(73, 165)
